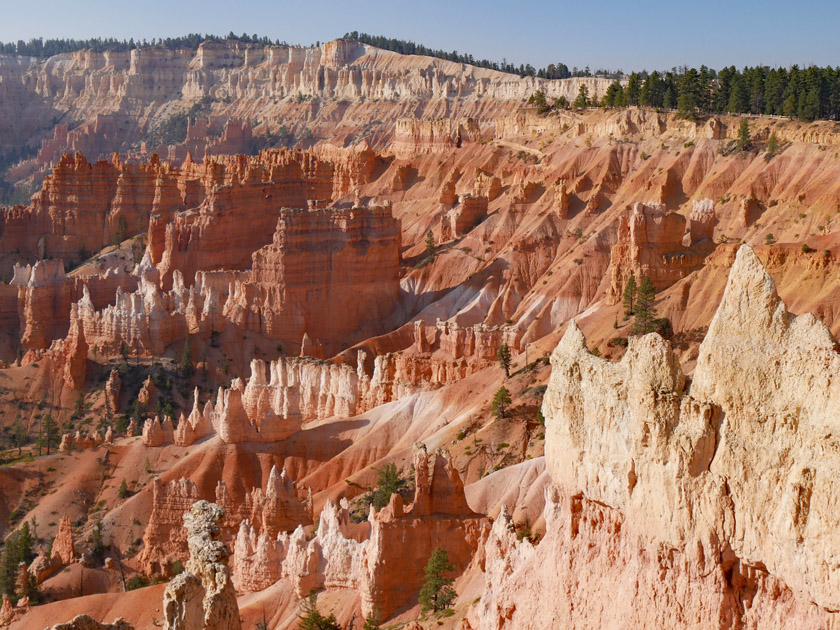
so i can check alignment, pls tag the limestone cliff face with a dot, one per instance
(248, 82)
(82, 206)
(45, 296)
(242, 198)
(716, 495)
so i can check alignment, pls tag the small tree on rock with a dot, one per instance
(186, 365)
(50, 432)
(437, 593)
(772, 145)
(312, 619)
(430, 245)
(630, 291)
(504, 358)
(387, 483)
(501, 402)
(644, 310)
(372, 622)
(582, 99)
(744, 135)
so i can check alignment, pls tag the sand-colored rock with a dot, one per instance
(202, 597)
(470, 211)
(681, 484)
(63, 548)
(112, 390)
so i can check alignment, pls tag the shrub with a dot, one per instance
(135, 582)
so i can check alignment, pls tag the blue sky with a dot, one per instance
(611, 34)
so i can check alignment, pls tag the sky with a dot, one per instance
(610, 34)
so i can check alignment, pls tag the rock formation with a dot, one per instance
(83, 207)
(701, 221)
(63, 548)
(335, 558)
(202, 597)
(650, 243)
(240, 212)
(413, 137)
(79, 441)
(319, 259)
(45, 296)
(112, 390)
(86, 622)
(714, 510)
(470, 211)
(275, 510)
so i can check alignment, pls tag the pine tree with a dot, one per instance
(186, 365)
(123, 492)
(504, 358)
(744, 135)
(501, 402)
(312, 619)
(25, 544)
(50, 429)
(772, 145)
(372, 622)
(430, 245)
(630, 291)
(388, 482)
(437, 593)
(645, 309)
(20, 436)
(582, 99)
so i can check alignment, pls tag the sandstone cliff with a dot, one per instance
(695, 505)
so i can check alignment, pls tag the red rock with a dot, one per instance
(147, 393)
(470, 211)
(650, 242)
(112, 390)
(316, 261)
(275, 510)
(63, 548)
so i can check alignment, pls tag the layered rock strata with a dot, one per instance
(239, 212)
(470, 211)
(387, 572)
(319, 259)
